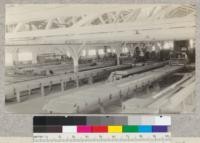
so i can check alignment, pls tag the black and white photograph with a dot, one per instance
(100, 58)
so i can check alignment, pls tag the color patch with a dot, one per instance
(115, 129)
(130, 129)
(69, 129)
(160, 129)
(99, 129)
(145, 129)
(54, 129)
(84, 129)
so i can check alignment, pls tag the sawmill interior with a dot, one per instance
(100, 58)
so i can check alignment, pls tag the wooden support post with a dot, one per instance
(29, 91)
(77, 80)
(118, 50)
(34, 60)
(118, 59)
(50, 86)
(18, 96)
(42, 90)
(62, 85)
(148, 90)
(90, 79)
(76, 72)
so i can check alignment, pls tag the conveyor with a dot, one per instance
(178, 103)
(97, 97)
(57, 69)
(13, 89)
(116, 75)
(165, 101)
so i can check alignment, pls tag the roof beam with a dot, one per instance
(108, 28)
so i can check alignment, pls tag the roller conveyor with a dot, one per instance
(96, 97)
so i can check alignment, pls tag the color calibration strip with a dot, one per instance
(114, 129)
(101, 124)
(101, 120)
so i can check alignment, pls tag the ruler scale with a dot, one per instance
(101, 138)
(108, 129)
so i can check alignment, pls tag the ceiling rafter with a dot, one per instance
(126, 21)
